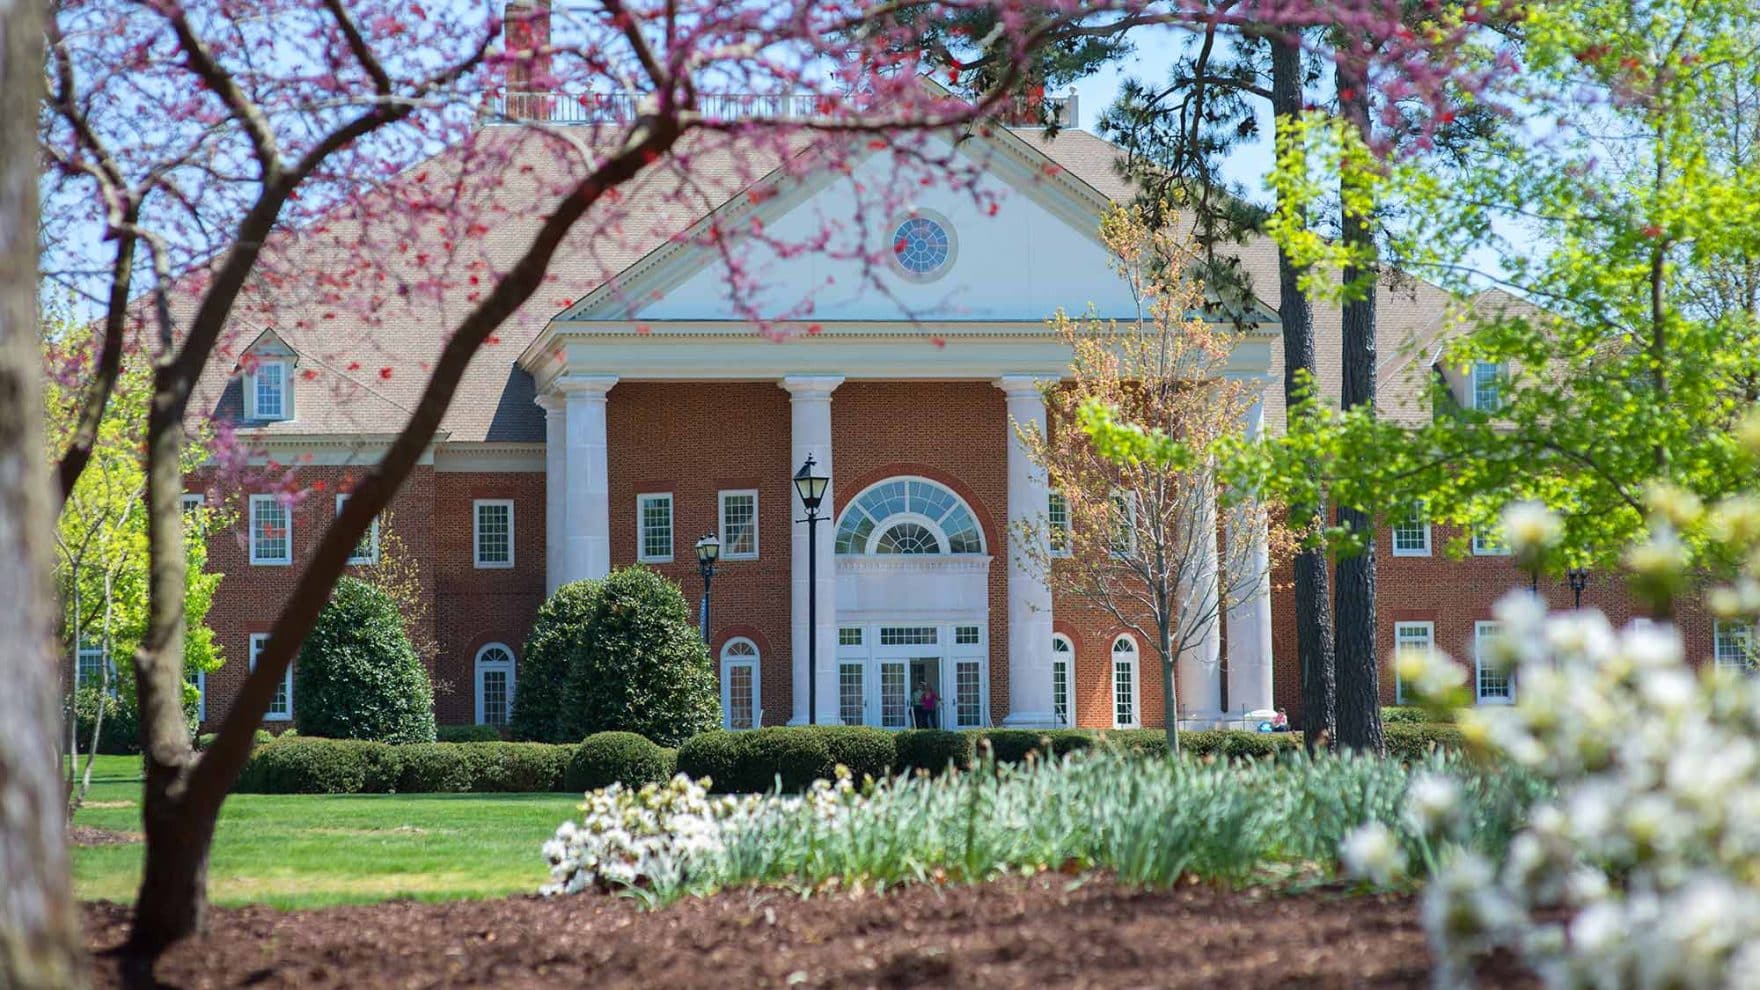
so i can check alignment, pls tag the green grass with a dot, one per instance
(297, 851)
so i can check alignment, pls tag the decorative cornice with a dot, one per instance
(963, 563)
(594, 386)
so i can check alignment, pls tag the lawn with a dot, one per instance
(309, 851)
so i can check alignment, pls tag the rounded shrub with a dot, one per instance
(784, 755)
(436, 768)
(934, 749)
(715, 755)
(1013, 745)
(322, 766)
(357, 677)
(868, 751)
(1412, 743)
(517, 768)
(466, 733)
(118, 731)
(627, 656)
(607, 758)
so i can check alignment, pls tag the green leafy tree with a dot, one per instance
(357, 677)
(619, 654)
(101, 547)
(1622, 346)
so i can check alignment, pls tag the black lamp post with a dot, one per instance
(708, 552)
(1579, 579)
(811, 485)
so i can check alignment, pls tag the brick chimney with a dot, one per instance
(526, 33)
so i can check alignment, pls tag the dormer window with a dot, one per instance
(269, 388)
(268, 378)
(1488, 383)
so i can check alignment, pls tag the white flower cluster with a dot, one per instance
(1644, 870)
(664, 833)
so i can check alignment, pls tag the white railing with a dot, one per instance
(617, 108)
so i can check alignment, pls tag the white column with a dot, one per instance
(555, 488)
(1199, 670)
(587, 493)
(1249, 619)
(1029, 585)
(810, 431)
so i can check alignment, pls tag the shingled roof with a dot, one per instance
(368, 371)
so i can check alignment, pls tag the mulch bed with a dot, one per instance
(87, 835)
(1042, 932)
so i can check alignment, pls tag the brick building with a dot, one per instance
(620, 427)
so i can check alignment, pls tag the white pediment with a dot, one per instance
(1036, 253)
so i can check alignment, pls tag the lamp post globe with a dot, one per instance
(708, 552)
(811, 484)
(1579, 579)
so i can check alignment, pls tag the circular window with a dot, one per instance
(922, 246)
(908, 537)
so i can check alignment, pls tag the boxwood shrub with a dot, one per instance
(1414, 742)
(933, 750)
(715, 754)
(308, 765)
(1013, 745)
(868, 751)
(466, 733)
(606, 758)
(357, 677)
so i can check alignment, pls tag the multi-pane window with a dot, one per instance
(965, 635)
(849, 693)
(1408, 637)
(1734, 644)
(493, 532)
(968, 709)
(1488, 540)
(1062, 657)
(281, 706)
(1124, 523)
(1057, 521)
(495, 685)
(89, 663)
(191, 501)
(654, 528)
(739, 525)
(908, 635)
(367, 550)
(201, 696)
(892, 695)
(1124, 683)
(849, 636)
(269, 388)
(271, 530)
(1411, 532)
(1488, 378)
(739, 684)
(1492, 678)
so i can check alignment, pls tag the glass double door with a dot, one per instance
(904, 677)
(911, 693)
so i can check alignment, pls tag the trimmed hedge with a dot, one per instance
(743, 762)
(1414, 742)
(782, 755)
(466, 733)
(607, 758)
(868, 751)
(355, 766)
(933, 750)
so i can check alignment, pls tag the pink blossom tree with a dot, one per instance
(221, 168)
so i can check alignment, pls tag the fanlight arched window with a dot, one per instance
(908, 516)
(495, 687)
(1124, 683)
(740, 684)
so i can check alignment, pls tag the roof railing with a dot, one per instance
(621, 108)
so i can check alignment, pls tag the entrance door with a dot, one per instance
(926, 676)
(894, 695)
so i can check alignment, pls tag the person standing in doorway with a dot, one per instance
(923, 702)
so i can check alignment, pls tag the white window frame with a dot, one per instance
(730, 660)
(201, 696)
(478, 668)
(284, 369)
(87, 650)
(1052, 526)
(1131, 504)
(1400, 646)
(258, 641)
(1500, 375)
(1483, 548)
(1485, 631)
(191, 501)
(1737, 637)
(257, 559)
(721, 515)
(1067, 657)
(1416, 517)
(642, 555)
(477, 507)
(1136, 681)
(372, 537)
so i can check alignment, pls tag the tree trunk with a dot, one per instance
(1313, 608)
(1169, 691)
(41, 943)
(1359, 688)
